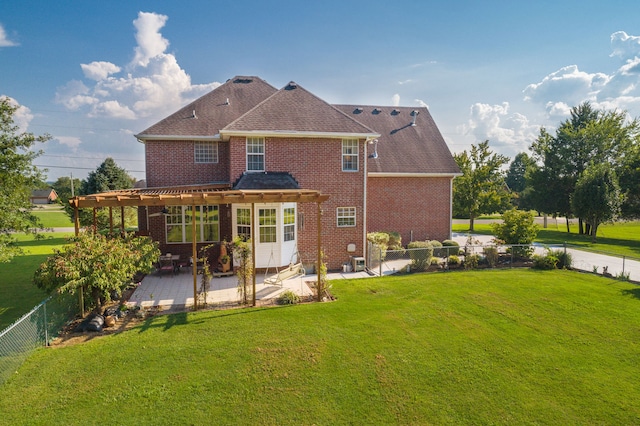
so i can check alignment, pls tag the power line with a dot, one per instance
(87, 158)
(81, 168)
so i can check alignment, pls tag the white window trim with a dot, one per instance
(340, 214)
(213, 146)
(356, 155)
(187, 224)
(253, 141)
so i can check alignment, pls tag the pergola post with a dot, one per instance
(319, 284)
(253, 255)
(195, 258)
(122, 231)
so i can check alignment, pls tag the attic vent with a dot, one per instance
(376, 111)
(395, 112)
(358, 111)
(292, 85)
(243, 80)
(414, 114)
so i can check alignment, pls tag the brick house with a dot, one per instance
(383, 168)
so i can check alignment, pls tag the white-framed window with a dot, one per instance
(350, 155)
(179, 224)
(346, 216)
(267, 225)
(205, 152)
(255, 154)
(243, 219)
(289, 222)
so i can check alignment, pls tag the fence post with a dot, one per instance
(623, 259)
(46, 329)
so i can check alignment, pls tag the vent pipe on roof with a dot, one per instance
(227, 102)
(193, 114)
(414, 114)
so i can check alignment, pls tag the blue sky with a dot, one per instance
(92, 74)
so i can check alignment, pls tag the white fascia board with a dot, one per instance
(293, 133)
(418, 175)
(142, 138)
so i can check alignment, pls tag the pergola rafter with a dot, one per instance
(195, 195)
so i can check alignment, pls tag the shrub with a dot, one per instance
(471, 261)
(564, 259)
(380, 242)
(288, 298)
(437, 248)
(517, 227)
(395, 241)
(547, 261)
(453, 260)
(420, 253)
(491, 255)
(450, 247)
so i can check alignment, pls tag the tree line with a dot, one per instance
(588, 169)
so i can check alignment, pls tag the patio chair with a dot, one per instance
(166, 265)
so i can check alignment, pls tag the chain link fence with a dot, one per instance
(385, 262)
(35, 329)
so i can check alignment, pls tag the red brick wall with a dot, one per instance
(412, 206)
(172, 163)
(315, 164)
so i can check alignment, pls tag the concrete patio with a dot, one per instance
(174, 292)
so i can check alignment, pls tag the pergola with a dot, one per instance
(202, 195)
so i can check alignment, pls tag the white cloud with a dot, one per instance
(99, 70)
(155, 85)
(69, 141)
(4, 40)
(22, 116)
(150, 41)
(421, 103)
(395, 100)
(495, 123)
(112, 109)
(568, 85)
(625, 46)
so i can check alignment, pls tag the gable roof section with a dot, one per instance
(204, 117)
(401, 147)
(294, 110)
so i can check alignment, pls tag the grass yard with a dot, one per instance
(481, 347)
(53, 217)
(17, 292)
(622, 238)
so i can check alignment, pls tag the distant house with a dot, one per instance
(383, 169)
(43, 196)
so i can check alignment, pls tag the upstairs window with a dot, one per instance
(205, 152)
(255, 154)
(349, 155)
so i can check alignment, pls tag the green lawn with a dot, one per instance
(53, 218)
(482, 347)
(622, 238)
(17, 293)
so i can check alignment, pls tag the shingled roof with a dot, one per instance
(204, 117)
(293, 109)
(403, 147)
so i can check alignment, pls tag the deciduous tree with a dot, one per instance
(481, 188)
(597, 196)
(18, 177)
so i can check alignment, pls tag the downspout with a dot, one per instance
(364, 207)
(451, 205)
